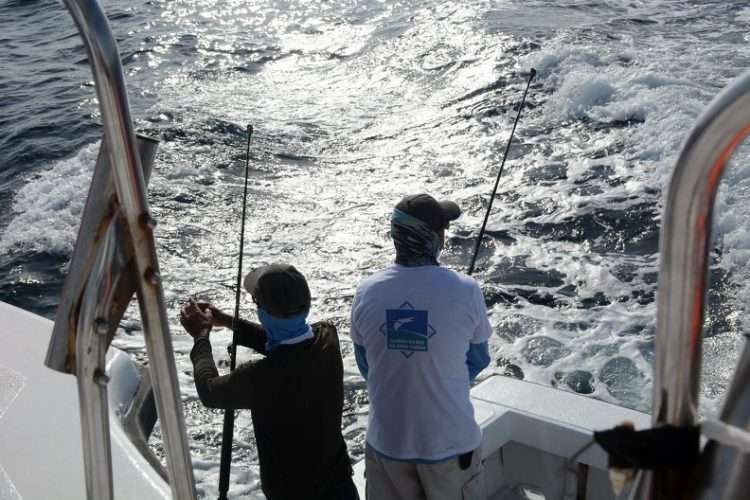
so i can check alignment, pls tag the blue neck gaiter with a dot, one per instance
(281, 329)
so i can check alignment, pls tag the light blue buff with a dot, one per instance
(477, 359)
(280, 329)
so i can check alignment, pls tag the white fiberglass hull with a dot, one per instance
(40, 435)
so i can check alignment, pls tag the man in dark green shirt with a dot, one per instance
(295, 393)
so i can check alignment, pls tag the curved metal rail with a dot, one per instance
(130, 207)
(91, 350)
(684, 245)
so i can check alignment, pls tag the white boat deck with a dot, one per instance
(509, 409)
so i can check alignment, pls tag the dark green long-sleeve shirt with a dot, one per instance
(296, 397)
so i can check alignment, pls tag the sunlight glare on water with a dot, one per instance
(356, 104)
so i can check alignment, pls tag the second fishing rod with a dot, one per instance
(228, 432)
(532, 74)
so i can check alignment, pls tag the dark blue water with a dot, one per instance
(355, 106)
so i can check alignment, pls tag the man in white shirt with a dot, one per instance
(420, 334)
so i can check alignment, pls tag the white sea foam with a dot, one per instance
(580, 94)
(47, 209)
(591, 83)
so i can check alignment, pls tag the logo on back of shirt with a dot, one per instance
(407, 330)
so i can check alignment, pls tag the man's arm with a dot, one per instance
(240, 389)
(477, 359)
(249, 334)
(478, 355)
(360, 355)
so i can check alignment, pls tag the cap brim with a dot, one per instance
(451, 211)
(252, 278)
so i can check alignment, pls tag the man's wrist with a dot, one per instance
(203, 334)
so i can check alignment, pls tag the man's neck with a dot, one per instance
(416, 260)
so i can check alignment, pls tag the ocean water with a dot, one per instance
(356, 104)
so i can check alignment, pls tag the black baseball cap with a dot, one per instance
(436, 214)
(279, 289)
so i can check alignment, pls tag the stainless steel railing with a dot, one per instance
(115, 254)
(684, 246)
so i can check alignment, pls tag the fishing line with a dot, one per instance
(532, 74)
(228, 432)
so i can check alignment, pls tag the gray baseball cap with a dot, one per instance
(436, 214)
(279, 289)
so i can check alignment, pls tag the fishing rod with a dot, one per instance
(532, 74)
(228, 433)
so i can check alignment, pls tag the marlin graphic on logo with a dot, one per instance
(401, 322)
